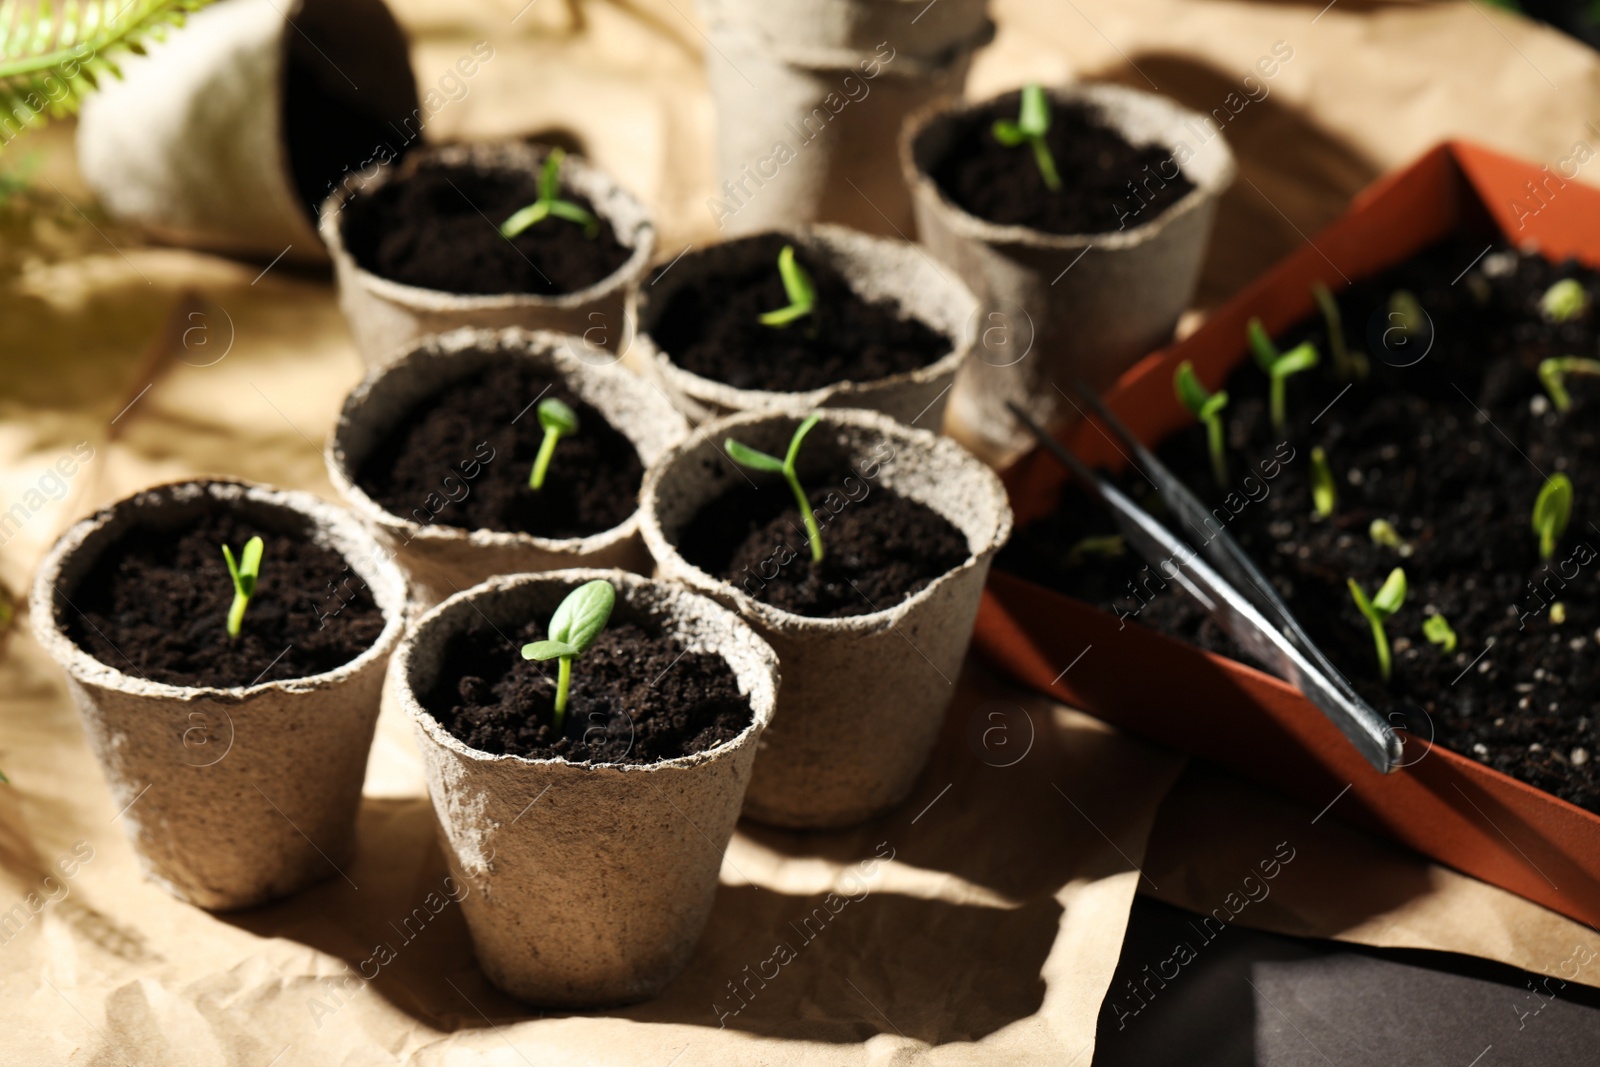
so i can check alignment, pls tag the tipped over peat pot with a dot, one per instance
(872, 638)
(889, 330)
(434, 452)
(236, 763)
(1074, 283)
(807, 94)
(229, 134)
(592, 859)
(417, 249)
(1428, 442)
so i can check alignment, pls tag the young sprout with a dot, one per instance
(1324, 491)
(796, 286)
(573, 628)
(1349, 365)
(1405, 311)
(1207, 407)
(1558, 612)
(1280, 367)
(244, 573)
(760, 461)
(549, 203)
(1033, 122)
(1551, 511)
(1378, 611)
(1108, 546)
(1563, 301)
(1383, 533)
(1437, 631)
(558, 421)
(1553, 374)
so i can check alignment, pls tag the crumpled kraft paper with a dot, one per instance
(991, 934)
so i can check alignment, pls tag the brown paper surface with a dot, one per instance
(991, 935)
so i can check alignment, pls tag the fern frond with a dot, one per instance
(53, 54)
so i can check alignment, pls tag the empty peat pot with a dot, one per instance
(1100, 288)
(914, 522)
(240, 790)
(229, 134)
(888, 332)
(434, 452)
(417, 248)
(808, 96)
(590, 881)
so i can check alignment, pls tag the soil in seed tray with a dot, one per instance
(155, 605)
(1003, 184)
(879, 550)
(438, 229)
(713, 328)
(635, 697)
(462, 457)
(1452, 451)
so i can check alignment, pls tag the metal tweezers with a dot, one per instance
(1218, 573)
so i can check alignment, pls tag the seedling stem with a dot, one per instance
(1207, 407)
(1032, 123)
(797, 287)
(1551, 512)
(1378, 610)
(549, 203)
(1324, 491)
(573, 628)
(558, 421)
(244, 573)
(749, 457)
(1553, 374)
(1563, 301)
(1279, 367)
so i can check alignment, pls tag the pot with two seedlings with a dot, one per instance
(588, 737)
(485, 452)
(225, 644)
(858, 548)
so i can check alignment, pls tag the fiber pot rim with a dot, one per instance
(1098, 95)
(386, 583)
(516, 342)
(819, 238)
(777, 619)
(603, 191)
(676, 599)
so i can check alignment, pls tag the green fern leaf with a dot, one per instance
(52, 55)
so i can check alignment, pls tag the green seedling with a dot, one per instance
(1109, 546)
(1553, 375)
(1378, 610)
(573, 628)
(1279, 367)
(1551, 512)
(1383, 533)
(550, 203)
(1405, 311)
(1349, 365)
(1558, 613)
(1324, 492)
(796, 286)
(1437, 631)
(1032, 123)
(760, 461)
(244, 573)
(1563, 301)
(1207, 407)
(558, 421)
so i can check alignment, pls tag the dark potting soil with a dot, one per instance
(462, 458)
(155, 605)
(712, 328)
(328, 134)
(636, 697)
(1452, 451)
(879, 547)
(1107, 184)
(438, 228)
